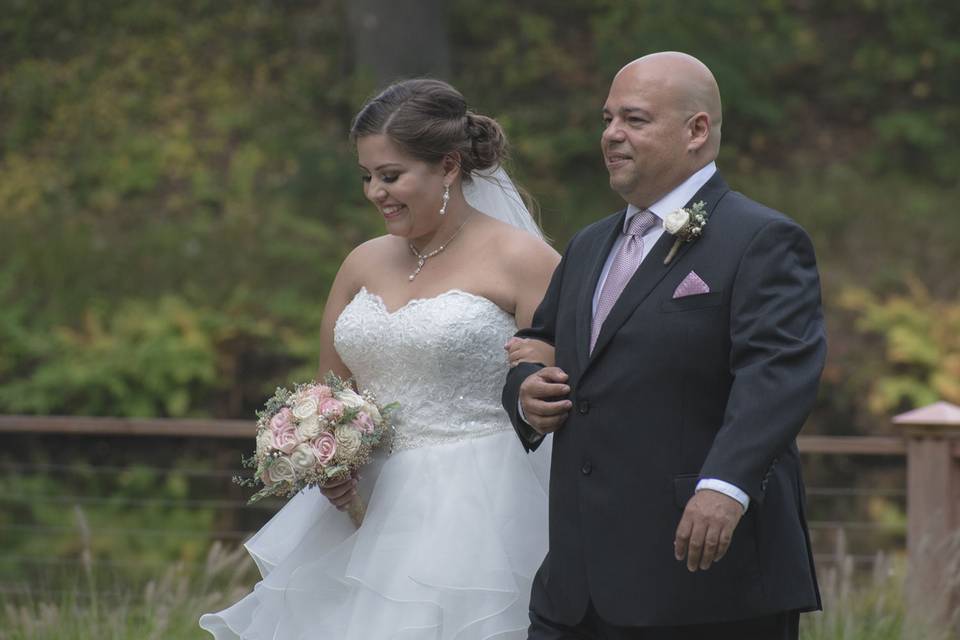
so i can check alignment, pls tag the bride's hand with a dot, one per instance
(341, 493)
(529, 350)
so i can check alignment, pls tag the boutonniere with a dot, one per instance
(686, 225)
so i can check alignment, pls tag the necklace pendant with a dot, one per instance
(423, 257)
(420, 263)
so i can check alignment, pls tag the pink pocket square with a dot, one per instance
(692, 285)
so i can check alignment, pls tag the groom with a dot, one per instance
(682, 381)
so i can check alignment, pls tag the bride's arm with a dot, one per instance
(535, 270)
(530, 350)
(531, 273)
(345, 286)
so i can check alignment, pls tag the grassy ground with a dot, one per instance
(168, 607)
(869, 608)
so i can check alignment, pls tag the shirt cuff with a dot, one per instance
(726, 489)
(532, 437)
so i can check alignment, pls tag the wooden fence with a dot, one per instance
(929, 445)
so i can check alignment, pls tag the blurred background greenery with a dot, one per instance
(177, 188)
(177, 191)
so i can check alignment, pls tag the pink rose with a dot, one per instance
(283, 433)
(324, 447)
(282, 420)
(331, 409)
(363, 422)
(320, 392)
(284, 439)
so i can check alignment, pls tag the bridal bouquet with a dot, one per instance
(314, 435)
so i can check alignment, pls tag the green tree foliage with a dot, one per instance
(173, 206)
(143, 521)
(918, 359)
(177, 188)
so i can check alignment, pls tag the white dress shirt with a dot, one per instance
(661, 208)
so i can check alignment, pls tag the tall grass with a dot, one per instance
(871, 607)
(94, 607)
(97, 607)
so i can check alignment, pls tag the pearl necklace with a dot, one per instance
(423, 257)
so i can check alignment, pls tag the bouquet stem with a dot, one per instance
(357, 509)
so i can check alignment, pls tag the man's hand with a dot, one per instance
(340, 494)
(706, 528)
(543, 398)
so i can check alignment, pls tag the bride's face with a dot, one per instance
(407, 192)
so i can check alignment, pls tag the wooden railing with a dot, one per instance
(930, 444)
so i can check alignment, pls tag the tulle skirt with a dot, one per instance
(452, 538)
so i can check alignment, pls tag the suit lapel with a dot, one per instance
(603, 243)
(651, 271)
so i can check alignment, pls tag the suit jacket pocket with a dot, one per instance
(683, 488)
(689, 303)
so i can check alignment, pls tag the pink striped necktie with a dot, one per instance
(624, 265)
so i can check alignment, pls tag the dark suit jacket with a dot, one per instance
(715, 385)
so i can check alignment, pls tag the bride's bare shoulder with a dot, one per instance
(520, 250)
(373, 253)
(368, 257)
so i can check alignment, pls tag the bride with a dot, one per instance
(456, 521)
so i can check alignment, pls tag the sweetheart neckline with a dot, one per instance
(416, 301)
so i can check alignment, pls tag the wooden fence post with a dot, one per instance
(933, 510)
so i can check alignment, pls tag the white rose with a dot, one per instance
(305, 407)
(302, 458)
(309, 427)
(263, 442)
(279, 470)
(676, 221)
(350, 399)
(348, 441)
(373, 412)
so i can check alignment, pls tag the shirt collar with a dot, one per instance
(676, 198)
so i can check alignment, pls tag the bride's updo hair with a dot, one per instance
(429, 119)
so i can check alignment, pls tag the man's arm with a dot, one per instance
(778, 347)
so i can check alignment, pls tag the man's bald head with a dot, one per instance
(687, 80)
(663, 117)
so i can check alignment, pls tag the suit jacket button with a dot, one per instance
(586, 468)
(583, 407)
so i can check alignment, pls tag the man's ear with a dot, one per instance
(698, 128)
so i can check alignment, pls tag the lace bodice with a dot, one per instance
(441, 358)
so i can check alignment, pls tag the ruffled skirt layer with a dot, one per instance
(452, 538)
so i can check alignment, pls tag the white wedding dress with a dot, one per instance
(456, 522)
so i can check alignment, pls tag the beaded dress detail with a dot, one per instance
(442, 358)
(456, 522)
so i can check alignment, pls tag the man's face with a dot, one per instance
(643, 142)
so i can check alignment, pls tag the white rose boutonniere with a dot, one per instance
(686, 225)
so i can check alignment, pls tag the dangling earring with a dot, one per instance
(446, 199)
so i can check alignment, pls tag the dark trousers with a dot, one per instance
(783, 626)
